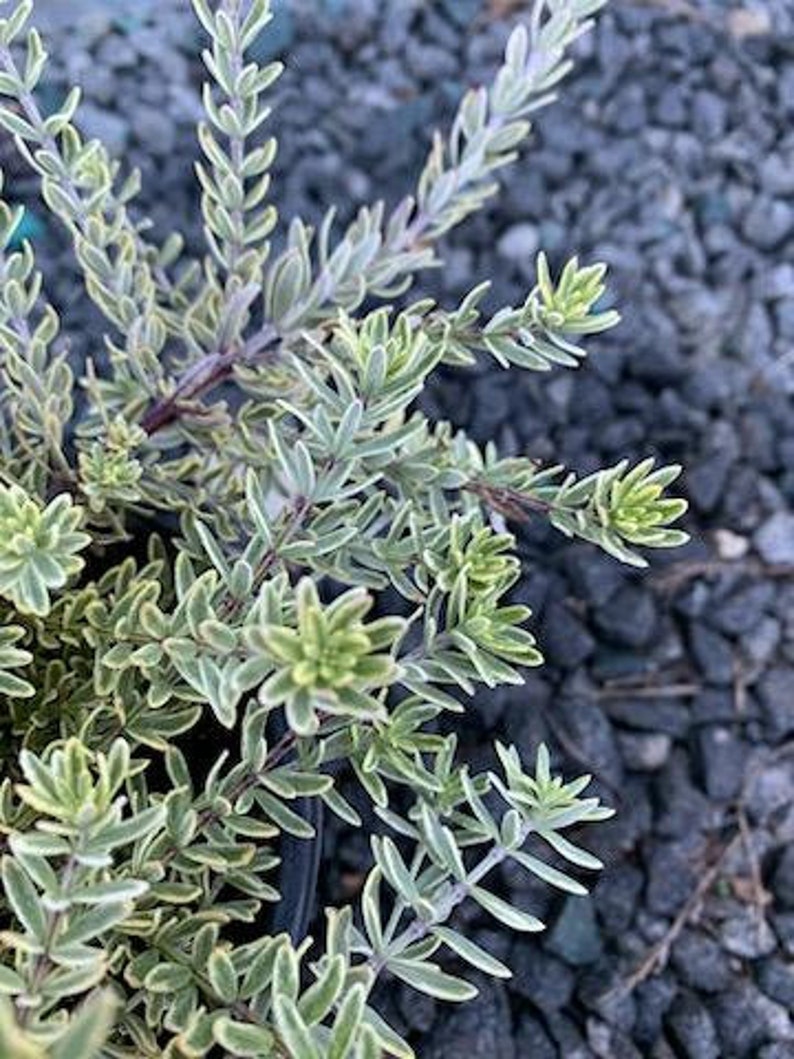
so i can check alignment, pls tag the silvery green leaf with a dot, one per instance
(393, 867)
(168, 978)
(11, 984)
(112, 892)
(322, 995)
(341, 807)
(24, 899)
(222, 975)
(93, 923)
(370, 908)
(293, 1030)
(430, 979)
(472, 953)
(505, 912)
(346, 1024)
(390, 1041)
(88, 1028)
(575, 854)
(547, 873)
(242, 1038)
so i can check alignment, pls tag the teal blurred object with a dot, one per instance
(128, 23)
(278, 36)
(30, 228)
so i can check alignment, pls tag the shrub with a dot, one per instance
(202, 537)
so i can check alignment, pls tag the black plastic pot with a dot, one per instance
(300, 858)
(300, 865)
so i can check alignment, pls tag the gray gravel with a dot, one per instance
(671, 156)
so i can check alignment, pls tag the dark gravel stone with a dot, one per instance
(111, 129)
(775, 539)
(664, 716)
(600, 990)
(630, 617)
(418, 1009)
(700, 962)
(769, 789)
(722, 756)
(742, 610)
(713, 655)
(654, 998)
(709, 115)
(784, 319)
(692, 1028)
(777, 1050)
(591, 733)
(768, 222)
(760, 643)
(741, 1022)
(575, 936)
(747, 935)
(644, 752)
(461, 11)
(564, 639)
(482, 1029)
(533, 1040)
(706, 478)
(595, 577)
(776, 693)
(616, 664)
(616, 895)
(567, 1037)
(783, 924)
(683, 809)
(540, 977)
(672, 877)
(606, 1040)
(783, 879)
(775, 978)
(714, 705)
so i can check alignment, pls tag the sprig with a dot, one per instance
(539, 335)
(235, 177)
(38, 548)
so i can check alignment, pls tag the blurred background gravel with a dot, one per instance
(670, 156)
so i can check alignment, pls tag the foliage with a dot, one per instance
(332, 577)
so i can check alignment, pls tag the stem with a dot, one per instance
(509, 502)
(208, 817)
(300, 509)
(207, 373)
(42, 963)
(236, 246)
(455, 895)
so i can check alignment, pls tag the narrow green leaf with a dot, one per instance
(222, 975)
(112, 892)
(506, 913)
(294, 1032)
(346, 1023)
(24, 899)
(242, 1038)
(430, 979)
(10, 982)
(472, 953)
(88, 1029)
